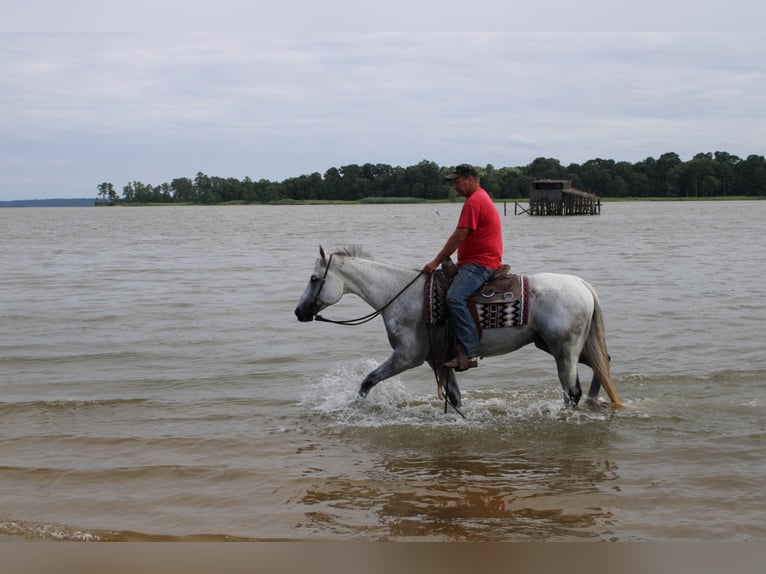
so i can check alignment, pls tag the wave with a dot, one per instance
(21, 407)
(24, 530)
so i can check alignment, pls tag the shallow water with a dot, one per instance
(155, 385)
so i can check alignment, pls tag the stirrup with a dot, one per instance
(462, 363)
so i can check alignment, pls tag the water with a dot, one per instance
(155, 385)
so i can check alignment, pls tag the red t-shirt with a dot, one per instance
(484, 242)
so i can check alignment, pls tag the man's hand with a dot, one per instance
(430, 266)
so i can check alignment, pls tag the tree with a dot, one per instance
(725, 166)
(164, 193)
(597, 176)
(698, 176)
(142, 193)
(666, 184)
(425, 180)
(504, 183)
(106, 192)
(128, 194)
(751, 174)
(545, 168)
(206, 193)
(352, 185)
(183, 191)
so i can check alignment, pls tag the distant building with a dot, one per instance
(558, 197)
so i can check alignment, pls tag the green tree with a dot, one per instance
(106, 192)
(183, 190)
(165, 194)
(545, 168)
(353, 185)
(138, 192)
(700, 180)
(751, 176)
(267, 191)
(425, 180)
(597, 176)
(666, 181)
(127, 193)
(205, 190)
(725, 166)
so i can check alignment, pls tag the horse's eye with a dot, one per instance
(314, 278)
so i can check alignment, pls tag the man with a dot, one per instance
(478, 240)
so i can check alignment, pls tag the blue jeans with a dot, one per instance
(468, 279)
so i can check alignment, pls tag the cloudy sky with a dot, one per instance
(95, 92)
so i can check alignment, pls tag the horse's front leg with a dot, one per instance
(446, 383)
(395, 364)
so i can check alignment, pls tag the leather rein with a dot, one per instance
(358, 320)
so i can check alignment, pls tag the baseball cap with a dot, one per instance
(462, 170)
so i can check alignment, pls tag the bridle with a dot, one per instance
(358, 320)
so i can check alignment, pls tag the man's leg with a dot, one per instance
(468, 279)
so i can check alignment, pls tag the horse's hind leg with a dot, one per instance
(593, 391)
(569, 379)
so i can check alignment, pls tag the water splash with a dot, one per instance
(394, 402)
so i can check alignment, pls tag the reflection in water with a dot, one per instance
(453, 495)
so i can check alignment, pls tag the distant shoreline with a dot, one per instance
(90, 202)
(60, 202)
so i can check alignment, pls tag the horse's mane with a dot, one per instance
(353, 251)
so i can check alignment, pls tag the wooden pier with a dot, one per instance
(558, 197)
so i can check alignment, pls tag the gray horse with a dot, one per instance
(564, 320)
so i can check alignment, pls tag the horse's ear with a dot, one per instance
(321, 253)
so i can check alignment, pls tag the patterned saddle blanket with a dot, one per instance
(503, 301)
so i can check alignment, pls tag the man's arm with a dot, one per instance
(449, 248)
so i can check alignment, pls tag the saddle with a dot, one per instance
(502, 287)
(500, 302)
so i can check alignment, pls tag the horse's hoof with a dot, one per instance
(571, 401)
(454, 400)
(597, 404)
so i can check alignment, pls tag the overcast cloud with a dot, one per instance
(82, 108)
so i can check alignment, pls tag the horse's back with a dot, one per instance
(549, 278)
(559, 298)
(558, 283)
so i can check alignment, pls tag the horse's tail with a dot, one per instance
(597, 357)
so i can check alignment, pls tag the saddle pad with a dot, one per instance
(510, 310)
(435, 308)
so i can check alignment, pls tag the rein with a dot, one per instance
(358, 320)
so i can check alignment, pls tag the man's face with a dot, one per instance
(463, 185)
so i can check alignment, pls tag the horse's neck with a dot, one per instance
(373, 282)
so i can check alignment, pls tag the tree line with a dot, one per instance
(705, 175)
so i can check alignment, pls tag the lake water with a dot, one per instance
(155, 384)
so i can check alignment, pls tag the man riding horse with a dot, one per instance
(478, 239)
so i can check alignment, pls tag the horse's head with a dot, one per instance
(325, 288)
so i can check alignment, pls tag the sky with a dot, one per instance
(95, 91)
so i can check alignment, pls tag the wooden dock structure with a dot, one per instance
(558, 197)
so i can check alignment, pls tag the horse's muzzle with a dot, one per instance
(304, 315)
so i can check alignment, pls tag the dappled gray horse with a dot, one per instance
(564, 320)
